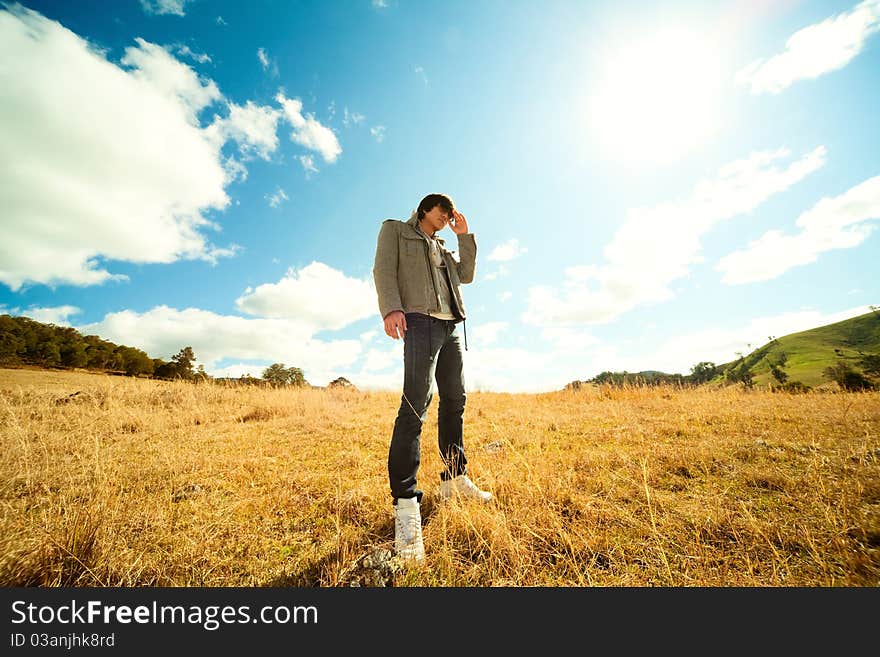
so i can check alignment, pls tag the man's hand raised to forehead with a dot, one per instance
(458, 223)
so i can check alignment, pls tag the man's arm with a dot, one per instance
(385, 270)
(467, 247)
(467, 254)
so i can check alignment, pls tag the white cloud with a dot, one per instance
(509, 370)
(367, 336)
(186, 51)
(833, 223)
(238, 370)
(487, 333)
(367, 380)
(420, 71)
(378, 133)
(378, 359)
(254, 127)
(163, 331)
(277, 198)
(568, 339)
(815, 50)
(57, 315)
(656, 245)
(308, 163)
(122, 172)
(507, 251)
(308, 131)
(268, 65)
(234, 170)
(501, 272)
(380, 4)
(352, 117)
(505, 296)
(162, 73)
(318, 295)
(175, 7)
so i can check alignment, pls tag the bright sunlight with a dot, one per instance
(658, 98)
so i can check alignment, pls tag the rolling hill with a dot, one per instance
(808, 353)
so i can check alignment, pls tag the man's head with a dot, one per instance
(433, 200)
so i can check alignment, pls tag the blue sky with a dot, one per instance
(650, 184)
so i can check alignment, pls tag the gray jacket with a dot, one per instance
(404, 276)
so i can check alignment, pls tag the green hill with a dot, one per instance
(808, 353)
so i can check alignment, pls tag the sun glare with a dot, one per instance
(658, 98)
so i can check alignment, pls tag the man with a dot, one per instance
(418, 283)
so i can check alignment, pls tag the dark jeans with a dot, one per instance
(431, 347)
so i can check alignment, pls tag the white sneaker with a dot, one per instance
(408, 529)
(462, 486)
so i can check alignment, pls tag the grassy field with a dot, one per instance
(113, 481)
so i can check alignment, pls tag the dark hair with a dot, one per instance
(431, 200)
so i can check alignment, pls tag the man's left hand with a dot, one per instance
(459, 223)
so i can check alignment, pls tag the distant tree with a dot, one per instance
(649, 378)
(740, 372)
(278, 375)
(183, 362)
(72, 347)
(870, 364)
(100, 354)
(12, 345)
(778, 373)
(297, 378)
(134, 361)
(794, 387)
(776, 368)
(163, 369)
(48, 352)
(604, 377)
(745, 376)
(847, 377)
(702, 372)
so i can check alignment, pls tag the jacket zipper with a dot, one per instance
(431, 273)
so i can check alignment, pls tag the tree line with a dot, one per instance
(24, 341)
(864, 374)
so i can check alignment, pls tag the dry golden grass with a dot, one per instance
(144, 483)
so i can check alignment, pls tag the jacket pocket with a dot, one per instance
(412, 246)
